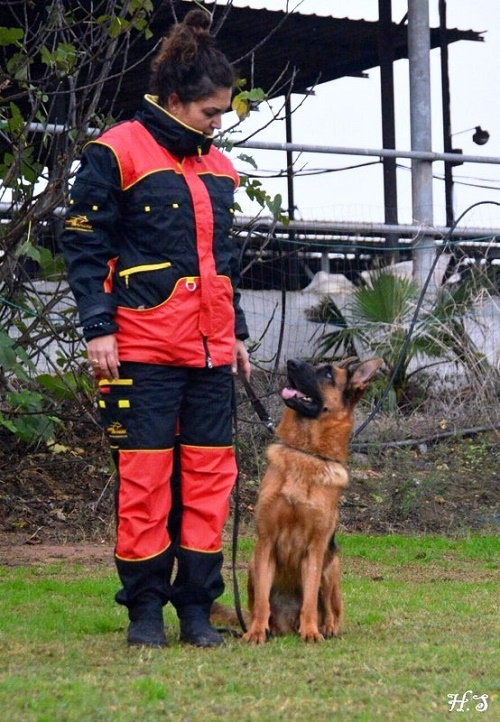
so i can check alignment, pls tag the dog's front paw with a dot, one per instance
(310, 634)
(330, 631)
(256, 634)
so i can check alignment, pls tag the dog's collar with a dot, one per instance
(311, 453)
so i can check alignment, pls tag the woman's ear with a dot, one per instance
(173, 102)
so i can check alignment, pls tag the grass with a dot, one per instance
(421, 623)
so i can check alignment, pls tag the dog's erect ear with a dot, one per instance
(344, 363)
(364, 373)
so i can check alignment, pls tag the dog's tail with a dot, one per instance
(222, 615)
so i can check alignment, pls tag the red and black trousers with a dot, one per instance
(170, 432)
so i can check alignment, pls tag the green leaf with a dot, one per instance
(7, 424)
(11, 36)
(275, 204)
(26, 400)
(46, 56)
(247, 100)
(61, 387)
(8, 357)
(256, 95)
(118, 26)
(248, 159)
(17, 66)
(29, 250)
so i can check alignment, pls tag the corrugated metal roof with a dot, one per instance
(308, 48)
(270, 48)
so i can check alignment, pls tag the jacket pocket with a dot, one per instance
(144, 286)
(127, 272)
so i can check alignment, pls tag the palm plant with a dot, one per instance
(388, 319)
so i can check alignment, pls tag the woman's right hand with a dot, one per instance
(102, 353)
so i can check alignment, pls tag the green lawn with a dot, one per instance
(422, 623)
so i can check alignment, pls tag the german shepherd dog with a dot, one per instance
(294, 576)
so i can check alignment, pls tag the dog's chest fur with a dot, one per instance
(300, 485)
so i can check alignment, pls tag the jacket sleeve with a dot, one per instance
(89, 242)
(240, 324)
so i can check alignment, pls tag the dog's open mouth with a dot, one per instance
(290, 393)
(302, 392)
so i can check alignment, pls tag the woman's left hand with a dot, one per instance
(241, 359)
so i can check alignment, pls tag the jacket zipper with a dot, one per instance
(139, 269)
(208, 358)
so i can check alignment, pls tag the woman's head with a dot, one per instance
(192, 78)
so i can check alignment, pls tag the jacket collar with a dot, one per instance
(176, 137)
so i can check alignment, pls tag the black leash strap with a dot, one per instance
(236, 589)
(258, 407)
(236, 517)
(270, 426)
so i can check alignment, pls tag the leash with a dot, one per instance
(258, 407)
(270, 426)
(236, 517)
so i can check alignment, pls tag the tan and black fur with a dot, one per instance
(294, 576)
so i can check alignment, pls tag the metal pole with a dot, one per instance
(478, 236)
(430, 156)
(370, 232)
(445, 99)
(421, 135)
(386, 58)
(289, 263)
(289, 158)
(309, 148)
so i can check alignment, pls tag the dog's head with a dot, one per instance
(312, 390)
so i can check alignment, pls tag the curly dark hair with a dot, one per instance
(189, 63)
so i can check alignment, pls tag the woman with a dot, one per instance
(153, 267)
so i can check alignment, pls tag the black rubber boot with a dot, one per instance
(146, 585)
(146, 626)
(196, 628)
(197, 584)
(146, 633)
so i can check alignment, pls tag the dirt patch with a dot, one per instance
(57, 503)
(18, 550)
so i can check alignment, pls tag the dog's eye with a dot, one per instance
(329, 375)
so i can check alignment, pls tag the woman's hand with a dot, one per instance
(241, 359)
(102, 353)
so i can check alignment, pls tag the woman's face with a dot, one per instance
(203, 115)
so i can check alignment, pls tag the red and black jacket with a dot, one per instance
(148, 242)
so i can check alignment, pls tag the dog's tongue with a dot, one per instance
(288, 393)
